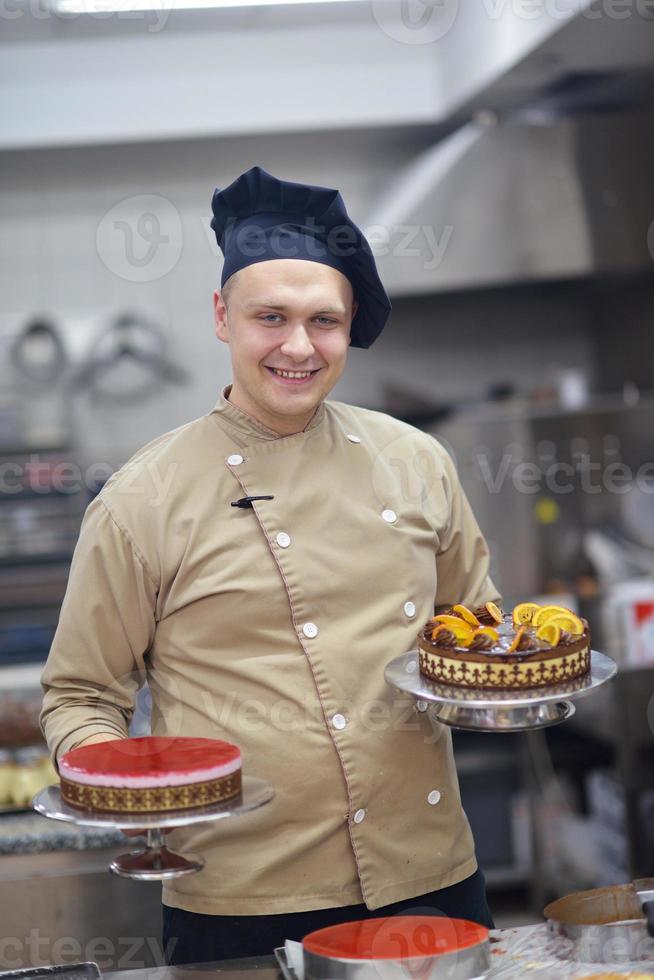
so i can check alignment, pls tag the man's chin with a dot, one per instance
(295, 406)
(289, 404)
(311, 391)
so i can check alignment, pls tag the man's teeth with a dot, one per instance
(292, 374)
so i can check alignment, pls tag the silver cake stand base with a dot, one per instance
(481, 710)
(155, 862)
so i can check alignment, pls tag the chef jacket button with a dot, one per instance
(434, 797)
(283, 540)
(359, 816)
(353, 438)
(421, 705)
(389, 516)
(410, 609)
(339, 722)
(310, 630)
(235, 459)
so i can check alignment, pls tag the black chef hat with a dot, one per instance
(258, 218)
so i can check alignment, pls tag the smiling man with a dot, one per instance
(287, 322)
(301, 545)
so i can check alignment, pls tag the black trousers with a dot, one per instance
(192, 937)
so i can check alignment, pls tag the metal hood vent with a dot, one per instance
(522, 201)
(599, 91)
(546, 175)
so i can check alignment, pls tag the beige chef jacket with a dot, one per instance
(271, 627)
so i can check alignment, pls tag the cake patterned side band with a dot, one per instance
(509, 677)
(151, 800)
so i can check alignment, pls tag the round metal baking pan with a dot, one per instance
(603, 925)
(397, 948)
(485, 710)
(469, 964)
(613, 942)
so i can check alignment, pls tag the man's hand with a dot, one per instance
(96, 739)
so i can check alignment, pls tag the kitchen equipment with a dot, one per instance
(497, 711)
(129, 361)
(547, 478)
(65, 971)
(428, 947)
(607, 925)
(628, 621)
(38, 352)
(155, 862)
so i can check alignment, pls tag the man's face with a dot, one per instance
(285, 315)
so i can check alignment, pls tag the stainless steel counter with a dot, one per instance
(515, 953)
(252, 968)
(63, 906)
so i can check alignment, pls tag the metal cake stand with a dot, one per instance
(484, 710)
(155, 862)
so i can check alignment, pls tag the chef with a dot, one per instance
(260, 566)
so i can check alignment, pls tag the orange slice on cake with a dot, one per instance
(545, 613)
(462, 631)
(462, 638)
(515, 643)
(494, 611)
(449, 620)
(550, 632)
(568, 622)
(524, 613)
(466, 614)
(487, 631)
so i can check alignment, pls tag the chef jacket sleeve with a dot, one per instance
(463, 558)
(106, 627)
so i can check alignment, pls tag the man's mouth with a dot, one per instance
(296, 376)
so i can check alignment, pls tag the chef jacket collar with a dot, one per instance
(250, 426)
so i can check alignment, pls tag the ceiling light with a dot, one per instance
(130, 6)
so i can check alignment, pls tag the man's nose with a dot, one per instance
(298, 344)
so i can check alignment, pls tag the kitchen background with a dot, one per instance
(501, 156)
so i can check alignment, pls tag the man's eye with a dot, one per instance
(325, 320)
(270, 317)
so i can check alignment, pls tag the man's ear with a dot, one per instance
(220, 317)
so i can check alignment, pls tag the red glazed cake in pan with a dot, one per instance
(396, 947)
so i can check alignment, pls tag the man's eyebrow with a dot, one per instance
(269, 304)
(263, 302)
